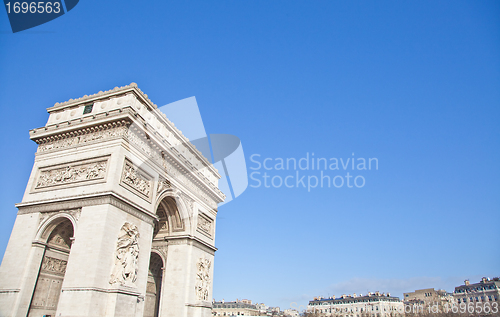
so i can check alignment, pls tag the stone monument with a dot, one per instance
(118, 217)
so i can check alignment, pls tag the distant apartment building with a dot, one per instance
(372, 305)
(429, 297)
(242, 307)
(245, 307)
(486, 291)
(291, 313)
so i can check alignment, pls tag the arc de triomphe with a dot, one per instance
(118, 217)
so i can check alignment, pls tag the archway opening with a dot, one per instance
(52, 269)
(153, 289)
(169, 218)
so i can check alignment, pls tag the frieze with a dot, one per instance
(83, 136)
(54, 265)
(71, 173)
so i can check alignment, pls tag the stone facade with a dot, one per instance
(236, 308)
(424, 298)
(371, 305)
(486, 291)
(118, 216)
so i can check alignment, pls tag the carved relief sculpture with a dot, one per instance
(80, 137)
(204, 225)
(54, 265)
(163, 184)
(71, 174)
(126, 255)
(136, 180)
(202, 279)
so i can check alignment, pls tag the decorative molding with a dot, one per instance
(126, 255)
(205, 225)
(74, 202)
(54, 265)
(136, 180)
(203, 304)
(203, 246)
(13, 290)
(71, 173)
(191, 241)
(203, 279)
(121, 290)
(83, 136)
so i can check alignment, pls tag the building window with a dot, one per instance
(88, 109)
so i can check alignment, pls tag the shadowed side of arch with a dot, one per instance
(154, 286)
(172, 213)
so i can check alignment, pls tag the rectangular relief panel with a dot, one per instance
(205, 225)
(71, 174)
(136, 180)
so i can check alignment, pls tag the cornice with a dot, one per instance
(79, 201)
(122, 290)
(132, 87)
(84, 125)
(189, 240)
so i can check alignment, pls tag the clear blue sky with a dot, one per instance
(415, 84)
